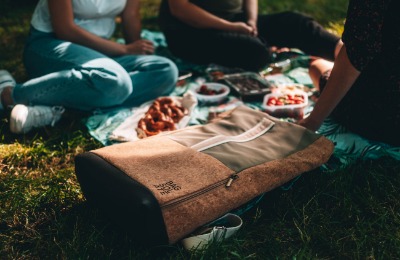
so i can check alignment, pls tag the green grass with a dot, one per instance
(349, 213)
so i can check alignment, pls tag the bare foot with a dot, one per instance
(279, 49)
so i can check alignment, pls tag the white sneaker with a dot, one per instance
(24, 118)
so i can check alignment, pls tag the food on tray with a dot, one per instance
(162, 116)
(205, 90)
(249, 86)
(287, 99)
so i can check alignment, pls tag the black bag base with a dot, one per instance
(122, 199)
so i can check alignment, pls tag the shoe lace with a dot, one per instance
(43, 115)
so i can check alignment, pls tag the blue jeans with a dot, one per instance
(67, 74)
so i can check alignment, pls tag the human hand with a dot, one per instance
(309, 124)
(253, 25)
(241, 27)
(141, 46)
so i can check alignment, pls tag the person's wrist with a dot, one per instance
(124, 49)
(228, 26)
(252, 22)
(313, 123)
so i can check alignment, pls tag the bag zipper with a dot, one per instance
(227, 181)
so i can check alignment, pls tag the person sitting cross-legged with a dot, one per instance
(72, 63)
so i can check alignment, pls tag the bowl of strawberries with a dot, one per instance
(211, 93)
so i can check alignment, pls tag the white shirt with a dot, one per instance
(95, 16)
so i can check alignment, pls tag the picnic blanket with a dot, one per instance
(348, 146)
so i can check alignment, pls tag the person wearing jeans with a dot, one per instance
(232, 33)
(73, 63)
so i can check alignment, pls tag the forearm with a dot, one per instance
(87, 39)
(197, 17)
(251, 7)
(342, 78)
(131, 21)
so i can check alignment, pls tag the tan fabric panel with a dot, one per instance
(163, 166)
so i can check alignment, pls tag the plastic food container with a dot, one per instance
(249, 86)
(286, 104)
(211, 93)
(215, 72)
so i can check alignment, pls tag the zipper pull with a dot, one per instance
(231, 179)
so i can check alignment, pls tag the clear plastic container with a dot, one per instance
(217, 93)
(287, 104)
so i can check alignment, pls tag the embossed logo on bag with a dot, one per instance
(168, 187)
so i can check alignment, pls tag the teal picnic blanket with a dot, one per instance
(348, 146)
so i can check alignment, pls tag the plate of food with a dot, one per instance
(155, 117)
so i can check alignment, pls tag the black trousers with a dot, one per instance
(287, 29)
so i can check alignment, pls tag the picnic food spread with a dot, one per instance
(162, 116)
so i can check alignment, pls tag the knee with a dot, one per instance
(299, 20)
(255, 57)
(122, 87)
(296, 17)
(261, 58)
(155, 77)
(113, 86)
(167, 74)
(170, 75)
